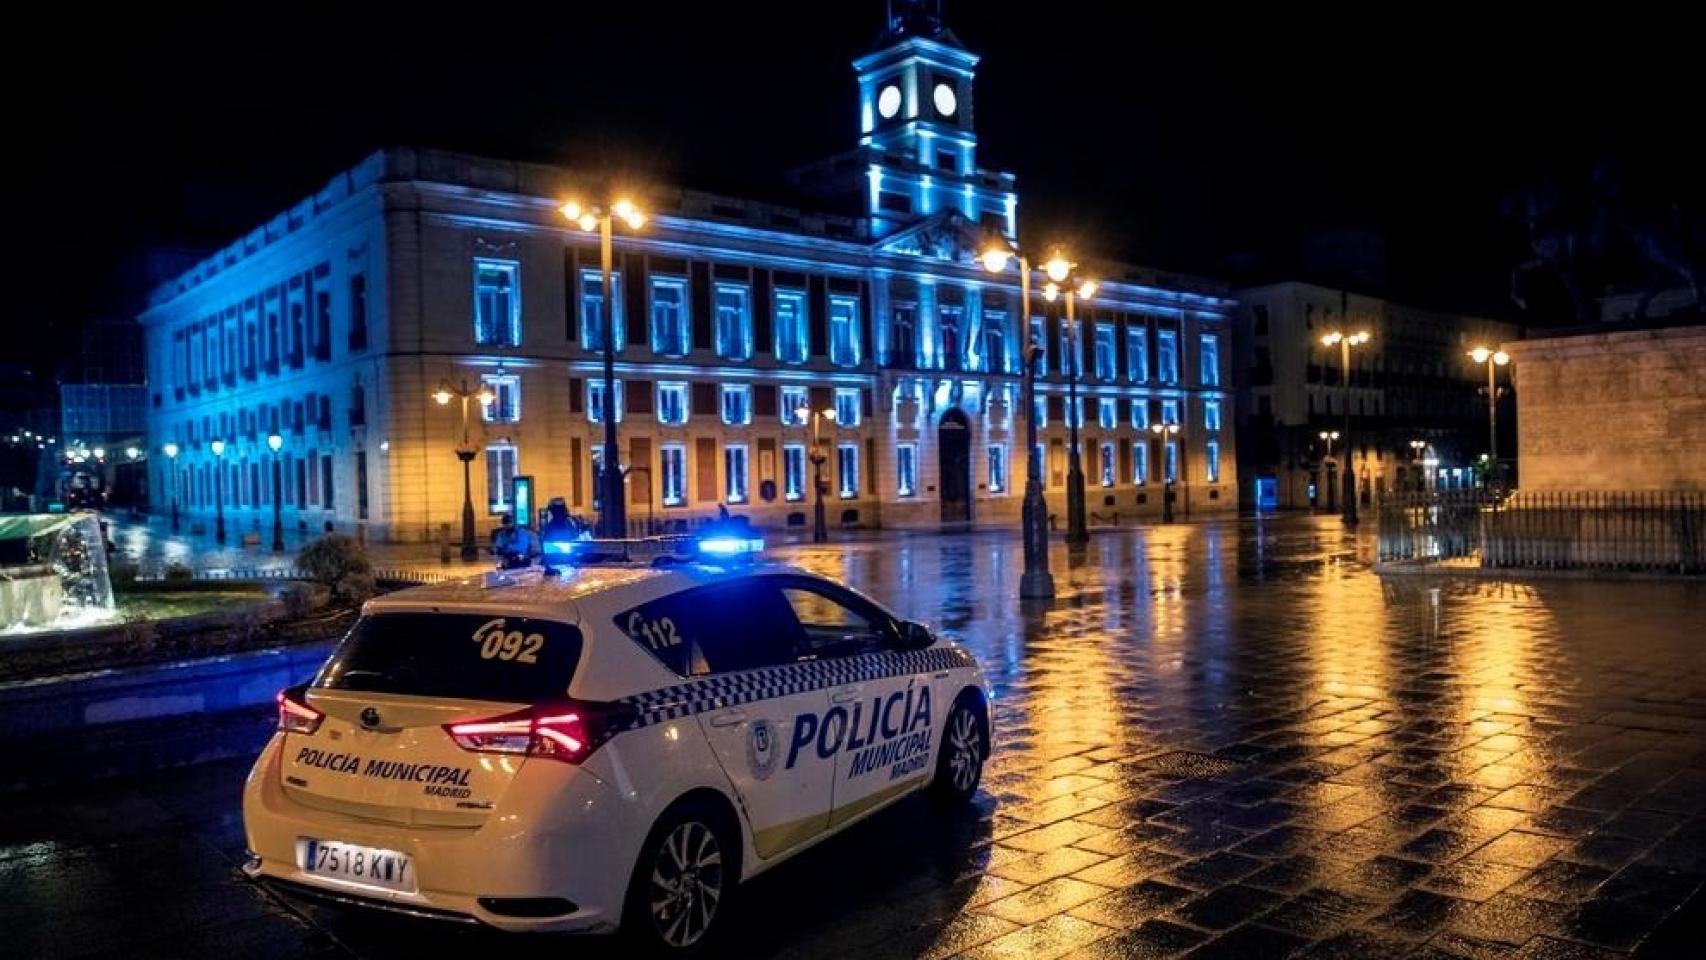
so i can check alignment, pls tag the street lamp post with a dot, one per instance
(218, 448)
(465, 452)
(1036, 582)
(1416, 448)
(612, 514)
(1327, 437)
(1167, 431)
(1492, 359)
(171, 451)
(820, 525)
(1348, 485)
(1059, 270)
(276, 443)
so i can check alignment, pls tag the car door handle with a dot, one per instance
(846, 694)
(729, 718)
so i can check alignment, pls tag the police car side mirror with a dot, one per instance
(915, 636)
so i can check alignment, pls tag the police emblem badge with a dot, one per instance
(761, 749)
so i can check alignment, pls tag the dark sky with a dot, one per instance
(1186, 140)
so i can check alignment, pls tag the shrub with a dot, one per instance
(122, 572)
(302, 599)
(177, 572)
(338, 563)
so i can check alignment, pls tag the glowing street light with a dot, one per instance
(820, 454)
(612, 514)
(1036, 582)
(1169, 432)
(276, 443)
(1345, 341)
(171, 452)
(465, 451)
(218, 448)
(1492, 360)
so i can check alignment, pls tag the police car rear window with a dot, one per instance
(456, 656)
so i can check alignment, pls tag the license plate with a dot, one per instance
(370, 866)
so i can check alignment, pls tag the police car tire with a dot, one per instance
(946, 788)
(690, 818)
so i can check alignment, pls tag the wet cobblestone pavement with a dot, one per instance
(1221, 741)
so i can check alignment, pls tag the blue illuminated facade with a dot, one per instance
(334, 323)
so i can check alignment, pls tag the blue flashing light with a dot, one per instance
(562, 548)
(730, 546)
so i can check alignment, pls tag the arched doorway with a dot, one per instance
(953, 441)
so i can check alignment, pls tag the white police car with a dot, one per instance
(613, 746)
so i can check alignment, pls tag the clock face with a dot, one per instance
(888, 101)
(946, 102)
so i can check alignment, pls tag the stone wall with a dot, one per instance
(1612, 411)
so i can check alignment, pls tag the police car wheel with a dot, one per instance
(684, 884)
(965, 745)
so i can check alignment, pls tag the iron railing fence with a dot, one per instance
(1648, 531)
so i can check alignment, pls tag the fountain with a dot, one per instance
(53, 573)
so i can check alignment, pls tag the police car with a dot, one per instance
(612, 743)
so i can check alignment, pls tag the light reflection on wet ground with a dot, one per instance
(1223, 738)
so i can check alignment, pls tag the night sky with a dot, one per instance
(1207, 141)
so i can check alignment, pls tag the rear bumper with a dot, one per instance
(558, 833)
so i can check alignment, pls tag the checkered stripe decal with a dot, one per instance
(714, 693)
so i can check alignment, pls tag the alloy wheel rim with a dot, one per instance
(963, 746)
(687, 884)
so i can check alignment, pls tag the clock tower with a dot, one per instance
(916, 130)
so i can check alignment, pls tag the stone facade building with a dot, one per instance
(1411, 381)
(334, 323)
(1619, 409)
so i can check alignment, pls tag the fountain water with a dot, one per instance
(53, 572)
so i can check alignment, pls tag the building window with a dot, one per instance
(670, 320)
(357, 324)
(506, 398)
(1209, 361)
(1071, 364)
(997, 468)
(844, 331)
(1039, 411)
(598, 476)
(1139, 413)
(737, 404)
(794, 472)
(951, 318)
(903, 336)
(1107, 412)
(1167, 355)
(595, 401)
(1140, 462)
(672, 468)
(673, 407)
(906, 469)
(1211, 414)
(1137, 353)
(1105, 352)
(792, 340)
(1074, 413)
(995, 342)
(734, 321)
(497, 303)
(500, 471)
(847, 469)
(734, 473)
(1169, 411)
(592, 310)
(1109, 469)
(796, 405)
(1172, 461)
(847, 406)
(1039, 339)
(1211, 459)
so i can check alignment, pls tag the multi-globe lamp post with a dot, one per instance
(275, 443)
(1167, 432)
(218, 448)
(1416, 449)
(612, 514)
(1492, 360)
(1062, 279)
(465, 452)
(1036, 583)
(1348, 483)
(820, 524)
(171, 452)
(1328, 437)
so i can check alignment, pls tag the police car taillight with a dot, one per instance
(294, 714)
(569, 732)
